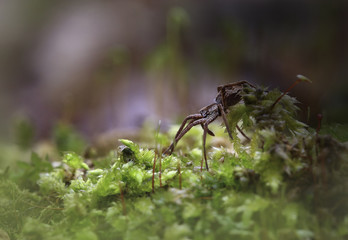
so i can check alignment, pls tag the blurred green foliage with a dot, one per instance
(67, 139)
(339, 131)
(24, 132)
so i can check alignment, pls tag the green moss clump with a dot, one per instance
(288, 182)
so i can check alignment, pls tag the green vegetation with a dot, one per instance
(288, 182)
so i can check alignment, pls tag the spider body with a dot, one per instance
(228, 95)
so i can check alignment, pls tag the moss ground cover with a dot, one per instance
(288, 182)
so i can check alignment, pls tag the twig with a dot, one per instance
(153, 173)
(160, 171)
(180, 181)
(300, 78)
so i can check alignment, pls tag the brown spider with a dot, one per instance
(228, 95)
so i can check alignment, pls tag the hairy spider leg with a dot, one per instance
(187, 128)
(170, 149)
(222, 112)
(209, 131)
(240, 130)
(205, 128)
(194, 117)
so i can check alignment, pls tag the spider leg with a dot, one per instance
(223, 114)
(240, 130)
(227, 127)
(209, 131)
(205, 128)
(170, 149)
(193, 117)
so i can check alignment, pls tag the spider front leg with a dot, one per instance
(193, 117)
(182, 131)
(205, 131)
(223, 114)
(208, 130)
(240, 130)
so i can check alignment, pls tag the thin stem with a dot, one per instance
(160, 171)
(180, 180)
(288, 90)
(300, 78)
(153, 173)
(202, 168)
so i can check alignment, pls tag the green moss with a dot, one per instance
(286, 183)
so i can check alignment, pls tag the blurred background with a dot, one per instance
(106, 65)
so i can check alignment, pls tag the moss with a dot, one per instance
(288, 183)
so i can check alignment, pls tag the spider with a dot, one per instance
(228, 95)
